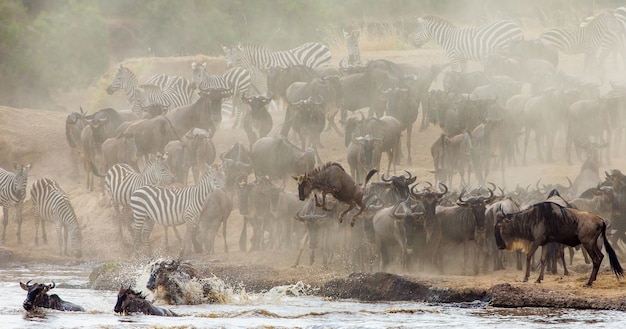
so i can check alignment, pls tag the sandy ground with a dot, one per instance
(37, 136)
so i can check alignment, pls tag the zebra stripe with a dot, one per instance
(311, 54)
(586, 38)
(178, 92)
(50, 203)
(12, 193)
(170, 207)
(122, 180)
(614, 41)
(125, 79)
(467, 43)
(352, 46)
(237, 80)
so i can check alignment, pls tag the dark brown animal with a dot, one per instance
(120, 149)
(546, 222)
(332, 179)
(37, 296)
(215, 213)
(257, 122)
(130, 301)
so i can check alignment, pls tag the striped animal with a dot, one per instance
(122, 180)
(237, 80)
(257, 59)
(585, 39)
(467, 43)
(12, 193)
(51, 204)
(171, 207)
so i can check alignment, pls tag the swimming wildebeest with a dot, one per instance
(546, 222)
(130, 301)
(37, 297)
(331, 178)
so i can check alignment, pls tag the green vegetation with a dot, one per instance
(48, 46)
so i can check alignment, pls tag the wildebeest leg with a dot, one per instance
(303, 243)
(596, 257)
(224, 234)
(409, 130)
(544, 256)
(243, 236)
(529, 256)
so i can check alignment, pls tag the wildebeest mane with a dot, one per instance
(323, 167)
(554, 216)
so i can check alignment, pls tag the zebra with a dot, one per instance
(125, 79)
(171, 207)
(178, 92)
(257, 59)
(467, 43)
(122, 180)
(12, 194)
(587, 38)
(352, 45)
(50, 203)
(236, 80)
(614, 41)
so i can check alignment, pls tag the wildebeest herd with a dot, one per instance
(486, 119)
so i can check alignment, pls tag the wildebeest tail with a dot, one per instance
(369, 175)
(615, 265)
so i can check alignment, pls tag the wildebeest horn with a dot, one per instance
(429, 184)
(570, 183)
(445, 188)
(52, 285)
(489, 198)
(382, 177)
(606, 174)
(396, 213)
(410, 176)
(461, 197)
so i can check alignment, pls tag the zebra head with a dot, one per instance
(233, 56)
(198, 74)
(422, 35)
(158, 170)
(21, 178)
(124, 79)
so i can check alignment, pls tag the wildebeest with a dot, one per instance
(462, 223)
(393, 230)
(254, 206)
(215, 213)
(119, 149)
(277, 158)
(308, 123)
(257, 122)
(546, 222)
(331, 178)
(388, 128)
(363, 155)
(37, 296)
(151, 135)
(74, 125)
(130, 301)
(178, 283)
(319, 226)
(392, 190)
(237, 162)
(505, 206)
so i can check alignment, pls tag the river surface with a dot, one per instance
(274, 309)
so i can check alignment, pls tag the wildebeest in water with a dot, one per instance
(130, 301)
(37, 296)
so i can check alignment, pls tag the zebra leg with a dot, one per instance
(5, 222)
(59, 229)
(18, 218)
(145, 234)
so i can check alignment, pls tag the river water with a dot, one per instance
(273, 309)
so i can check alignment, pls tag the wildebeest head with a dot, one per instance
(257, 103)
(305, 186)
(400, 184)
(430, 198)
(124, 296)
(477, 205)
(166, 278)
(369, 144)
(312, 221)
(616, 179)
(36, 294)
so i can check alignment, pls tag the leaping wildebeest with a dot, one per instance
(130, 301)
(331, 178)
(546, 222)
